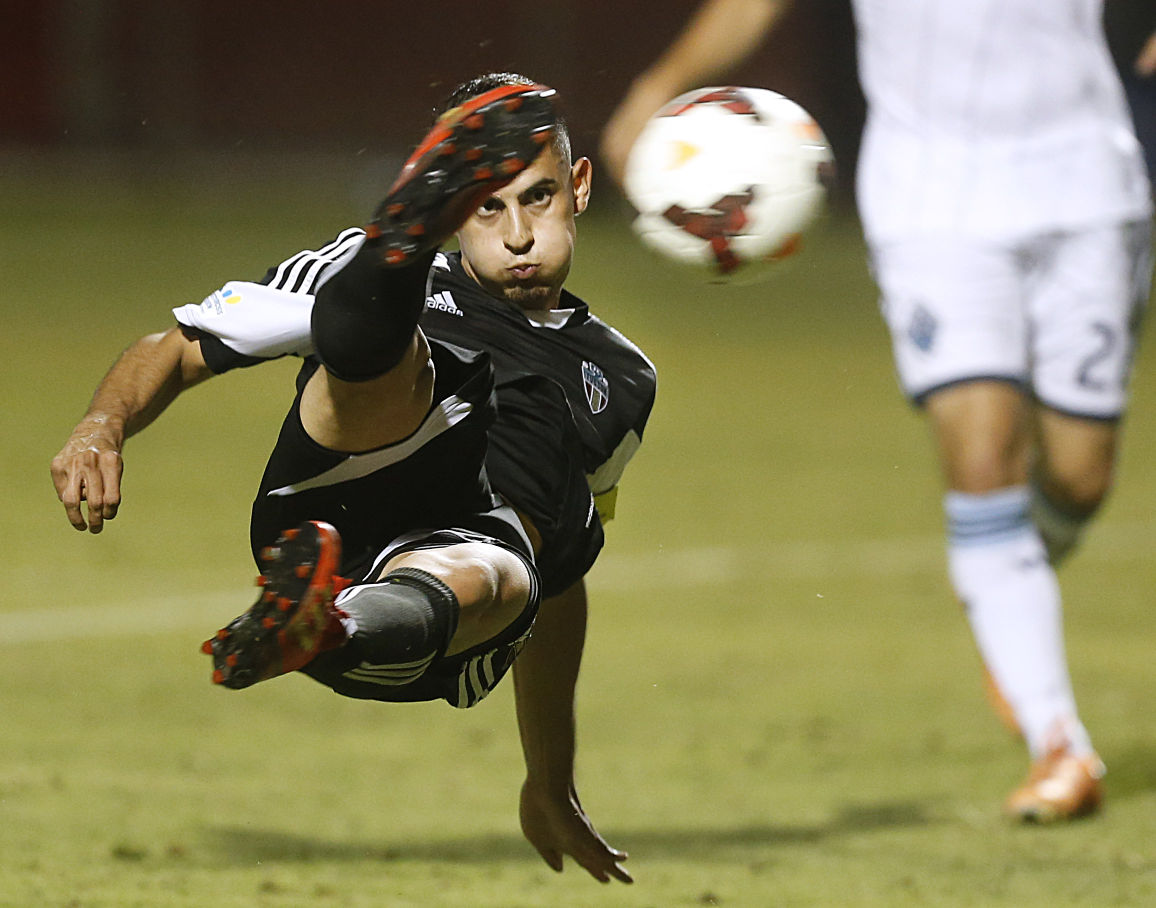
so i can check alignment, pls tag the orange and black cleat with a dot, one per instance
(471, 151)
(293, 619)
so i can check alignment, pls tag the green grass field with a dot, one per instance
(780, 705)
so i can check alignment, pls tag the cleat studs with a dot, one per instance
(262, 580)
(270, 553)
(223, 633)
(268, 596)
(268, 623)
(513, 104)
(511, 166)
(395, 257)
(448, 149)
(483, 173)
(473, 154)
(290, 535)
(395, 209)
(372, 231)
(231, 660)
(543, 136)
(284, 604)
(415, 230)
(218, 677)
(303, 570)
(207, 647)
(475, 122)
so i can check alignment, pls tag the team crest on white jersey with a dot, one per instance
(444, 302)
(922, 329)
(596, 386)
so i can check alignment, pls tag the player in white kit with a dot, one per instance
(1006, 208)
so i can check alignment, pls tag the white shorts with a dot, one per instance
(1056, 314)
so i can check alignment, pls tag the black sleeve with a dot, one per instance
(218, 355)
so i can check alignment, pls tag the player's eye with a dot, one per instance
(492, 205)
(538, 195)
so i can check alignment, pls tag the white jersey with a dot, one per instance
(998, 119)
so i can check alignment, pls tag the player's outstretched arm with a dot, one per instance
(144, 380)
(545, 675)
(720, 36)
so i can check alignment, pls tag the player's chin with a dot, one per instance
(528, 294)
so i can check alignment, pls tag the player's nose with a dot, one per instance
(517, 235)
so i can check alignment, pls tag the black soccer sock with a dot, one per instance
(408, 617)
(365, 314)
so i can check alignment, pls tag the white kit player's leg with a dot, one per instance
(1000, 571)
(965, 332)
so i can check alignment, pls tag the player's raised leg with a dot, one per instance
(375, 386)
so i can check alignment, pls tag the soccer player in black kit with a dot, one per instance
(400, 515)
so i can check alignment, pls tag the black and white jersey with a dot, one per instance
(433, 479)
(574, 396)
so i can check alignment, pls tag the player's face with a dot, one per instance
(519, 244)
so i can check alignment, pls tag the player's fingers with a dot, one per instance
(68, 489)
(92, 491)
(552, 857)
(111, 470)
(604, 864)
(619, 872)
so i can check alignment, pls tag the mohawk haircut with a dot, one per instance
(481, 84)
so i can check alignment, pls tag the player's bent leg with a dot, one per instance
(442, 621)
(981, 428)
(491, 584)
(293, 619)
(999, 570)
(1072, 476)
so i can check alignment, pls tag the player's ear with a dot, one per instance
(581, 172)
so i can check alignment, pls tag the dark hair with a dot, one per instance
(479, 85)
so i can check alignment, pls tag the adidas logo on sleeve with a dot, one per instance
(443, 301)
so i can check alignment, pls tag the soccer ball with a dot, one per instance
(727, 179)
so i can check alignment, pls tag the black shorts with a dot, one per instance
(462, 679)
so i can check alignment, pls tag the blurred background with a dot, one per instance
(357, 78)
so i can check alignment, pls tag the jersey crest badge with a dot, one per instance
(922, 329)
(596, 386)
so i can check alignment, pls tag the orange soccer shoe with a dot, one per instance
(1060, 786)
(293, 620)
(471, 151)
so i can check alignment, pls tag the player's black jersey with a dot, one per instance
(574, 396)
(433, 479)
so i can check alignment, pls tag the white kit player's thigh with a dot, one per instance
(955, 308)
(1086, 295)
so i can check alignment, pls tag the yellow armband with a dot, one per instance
(604, 503)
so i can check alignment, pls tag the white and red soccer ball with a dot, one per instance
(727, 179)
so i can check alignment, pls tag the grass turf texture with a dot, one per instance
(780, 703)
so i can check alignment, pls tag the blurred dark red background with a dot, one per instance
(301, 75)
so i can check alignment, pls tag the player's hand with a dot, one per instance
(1146, 61)
(558, 826)
(88, 469)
